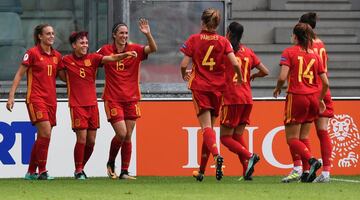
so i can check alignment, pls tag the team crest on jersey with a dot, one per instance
(39, 115)
(87, 62)
(55, 60)
(113, 112)
(77, 122)
(345, 139)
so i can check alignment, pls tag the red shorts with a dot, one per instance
(329, 111)
(118, 111)
(301, 108)
(236, 114)
(84, 117)
(39, 112)
(206, 100)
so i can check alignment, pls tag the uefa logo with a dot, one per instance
(345, 139)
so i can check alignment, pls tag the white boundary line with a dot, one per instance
(344, 180)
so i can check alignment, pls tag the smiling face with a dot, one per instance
(81, 46)
(121, 36)
(47, 36)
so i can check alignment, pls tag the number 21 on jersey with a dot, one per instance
(209, 61)
(307, 73)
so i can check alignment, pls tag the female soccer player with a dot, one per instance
(303, 68)
(40, 63)
(122, 94)
(80, 68)
(236, 109)
(206, 50)
(321, 123)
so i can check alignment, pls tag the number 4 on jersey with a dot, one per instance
(209, 61)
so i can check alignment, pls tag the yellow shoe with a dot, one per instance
(111, 170)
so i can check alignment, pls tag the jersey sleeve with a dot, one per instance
(186, 48)
(285, 58)
(140, 50)
(321, 68)
(97, 58)
(27, 59)
(255, 59)
(101, 50)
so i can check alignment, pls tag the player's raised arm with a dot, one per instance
(145, 28)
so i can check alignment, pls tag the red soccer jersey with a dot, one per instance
(235, 93)
(41, 75)
(319, 48)
(81, 75)
(207, 51)
(122, 77)
(304, 71)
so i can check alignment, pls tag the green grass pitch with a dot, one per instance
(170, 188)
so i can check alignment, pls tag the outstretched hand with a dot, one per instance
(144, 26)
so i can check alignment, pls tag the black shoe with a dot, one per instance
(250, 168)
(111, 170)
(83, 172)
(45, 176)
(219, 172)
(199, 176)
(248, 178)
(314, 166)
(304, 176)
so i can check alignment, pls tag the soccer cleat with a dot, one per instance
(219, 161)
(250, 168)
(198, 175)
(293, 176)
(314, 166)
(322, 179)
(33, 176)
(79, 176)
(304, 176)
(83, 172)
(111, 170)
(45, 176)
(125, 175)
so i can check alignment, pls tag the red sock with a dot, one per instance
(89, 148)
(235, 146)
(295, 157)
(114, 148)
(205, 153)
(126, 155)
(42, 147)
(326, 148)
(244, 161)
(299, 148)
(210, 140)
(305, 163)
(33, 161)
(79, 156)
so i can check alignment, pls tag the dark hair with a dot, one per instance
(304, 34)
(235, 31)
(76, 35)
(211, 18)
(38, 31)
(309, 18)
(117, 26)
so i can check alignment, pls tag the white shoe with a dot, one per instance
(322, 179)
(126, 176)
(292, 177)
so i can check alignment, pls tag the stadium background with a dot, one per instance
(267, 30)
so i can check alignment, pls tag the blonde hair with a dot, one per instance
(211, 18)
